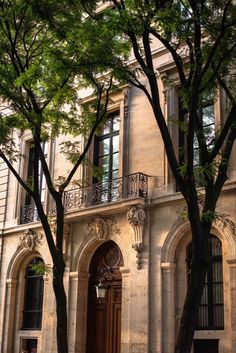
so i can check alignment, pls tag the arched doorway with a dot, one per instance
(104, 314)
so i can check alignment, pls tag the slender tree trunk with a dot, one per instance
(61, 309)
(191, 305)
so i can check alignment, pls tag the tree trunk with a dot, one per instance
(191, 305)
(61, 309)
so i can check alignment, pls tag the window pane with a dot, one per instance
(104, 147)
(116, 123)
(104, 164)
(107, 127)
(115, 143)
(208, 115)
(115, 160)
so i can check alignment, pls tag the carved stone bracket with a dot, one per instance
(136, 218)
(101, 227)
(29, 239)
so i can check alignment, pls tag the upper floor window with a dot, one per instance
(106, 152)
(33, 297)
(29, 211)
(107, 149)
(30, 173)
(211, 310)
(206, 114)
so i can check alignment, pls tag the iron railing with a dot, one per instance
(128, 187)
(29, 214)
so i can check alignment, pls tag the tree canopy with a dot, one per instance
(49, 49)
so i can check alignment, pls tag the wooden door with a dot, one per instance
(104, 315)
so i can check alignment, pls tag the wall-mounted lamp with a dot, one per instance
(105, 275)
(101, 290)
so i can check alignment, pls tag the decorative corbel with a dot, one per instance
(136, 218)
(29, 239)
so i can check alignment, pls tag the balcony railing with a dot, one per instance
(128, 187)
(29, 214)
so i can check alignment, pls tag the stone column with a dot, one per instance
(72, 310)
(82, 307)
(9, 317)
(125, 312)
(168, 309)
(232, 288)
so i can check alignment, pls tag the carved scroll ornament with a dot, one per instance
(136, 218)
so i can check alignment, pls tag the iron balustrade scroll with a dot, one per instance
(128, 187)
(29, 214)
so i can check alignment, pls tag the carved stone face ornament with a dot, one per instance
(29, 239)
(102, 227)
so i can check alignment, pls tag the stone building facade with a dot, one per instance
(128, 232)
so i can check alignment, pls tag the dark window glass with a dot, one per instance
(33, 301)
(30, 173)
(29, 345)
(207, 117)
(211, 310)
(206, 346)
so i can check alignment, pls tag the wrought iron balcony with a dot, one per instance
(29, 214)
(128, 187)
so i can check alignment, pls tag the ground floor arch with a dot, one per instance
(104, 314)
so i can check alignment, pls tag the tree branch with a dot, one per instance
(14, 172)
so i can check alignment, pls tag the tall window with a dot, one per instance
(211, 310)
(30, 173)
(107, 157)
(33, 297)
(29, 212)
(207, 117)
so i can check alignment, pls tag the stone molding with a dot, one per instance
(136, 218)
(168, 265)
(29, 239)
(102, 227)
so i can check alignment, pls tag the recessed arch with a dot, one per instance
(182, 231)
(21, 257)
(104, 314)
(88, 247)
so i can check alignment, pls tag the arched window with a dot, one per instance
(211, 310)
(33, 298)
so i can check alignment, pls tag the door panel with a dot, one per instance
(104, 315)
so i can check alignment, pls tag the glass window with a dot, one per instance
(211, 310)
(29, 211)
(33, 297)
(107, 157)
(207, 117)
